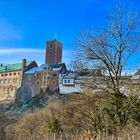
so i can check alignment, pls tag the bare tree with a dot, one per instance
(113, 46)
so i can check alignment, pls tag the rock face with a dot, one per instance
(26, 92)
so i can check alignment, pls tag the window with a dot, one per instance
(15, 80)
(11, 80)
(1, 81)
(10, 74)
(38, 75)
(54, 75)
(37, 82)
(29, 77)
(5, 80)
(49, 75)
(14, 73)
(11, 88)
(68, 81)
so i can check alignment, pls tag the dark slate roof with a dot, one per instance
(76, 76)
(70, 75)
(61, 68)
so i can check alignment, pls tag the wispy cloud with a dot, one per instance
(16, 55)
(15, 51)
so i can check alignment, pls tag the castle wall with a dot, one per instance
(9, 83)
(35, 83)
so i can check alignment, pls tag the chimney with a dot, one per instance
(23, 64)
(5, 68)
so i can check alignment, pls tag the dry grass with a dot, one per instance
(65, 121)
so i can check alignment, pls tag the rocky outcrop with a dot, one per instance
(26, 92)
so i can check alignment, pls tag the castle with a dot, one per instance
(22, 81)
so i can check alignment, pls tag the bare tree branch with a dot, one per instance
(113, 46)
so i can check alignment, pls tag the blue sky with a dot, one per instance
(26, 25)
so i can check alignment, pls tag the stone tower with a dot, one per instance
(53, 52)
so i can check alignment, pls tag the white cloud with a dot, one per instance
(14, 51)
(14, 55)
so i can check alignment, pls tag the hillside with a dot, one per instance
(81, 116)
